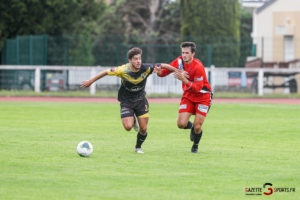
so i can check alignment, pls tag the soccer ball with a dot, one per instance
(84, 148)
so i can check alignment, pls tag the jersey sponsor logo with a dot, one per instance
(183, 106)
(134, 89)
(203, 108)
(199, 79)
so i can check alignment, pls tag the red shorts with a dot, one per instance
(201, 107)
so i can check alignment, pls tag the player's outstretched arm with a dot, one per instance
(87, 83)
(165, 69)
(168, 67)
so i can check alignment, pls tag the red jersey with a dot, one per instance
(198, 83)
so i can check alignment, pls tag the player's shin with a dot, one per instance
(197, 138)
(140, 139)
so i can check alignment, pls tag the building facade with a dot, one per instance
(276, 31)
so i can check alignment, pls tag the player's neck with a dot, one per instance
(189, 62)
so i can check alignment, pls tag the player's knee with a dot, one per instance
(181, 124)
(143, 129)
(127, 127)
(197, 128)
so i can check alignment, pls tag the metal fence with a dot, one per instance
(67, 78)
(112, 50)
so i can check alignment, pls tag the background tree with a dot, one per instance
(147, 23)
(107, 49)
(214, 25)
(170, 23)
(142, 19)
(246, 39)
(52, 17)
(89, 32)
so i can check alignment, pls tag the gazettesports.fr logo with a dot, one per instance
(267, 189)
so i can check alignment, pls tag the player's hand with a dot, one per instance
(157, 69)
(180, 75)
(186, 74)
(86, 83)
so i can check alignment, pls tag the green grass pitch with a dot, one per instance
(244, 145)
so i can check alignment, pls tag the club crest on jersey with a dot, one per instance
(112, 69)
(180, 65)
(143, 75)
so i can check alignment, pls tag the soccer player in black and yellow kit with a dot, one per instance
(132, 92)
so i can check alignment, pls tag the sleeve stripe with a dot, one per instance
(189, 84)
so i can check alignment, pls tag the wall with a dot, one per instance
(285, 23)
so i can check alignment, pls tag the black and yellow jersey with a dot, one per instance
(133, 83)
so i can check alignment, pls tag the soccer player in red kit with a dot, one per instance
(197, 93)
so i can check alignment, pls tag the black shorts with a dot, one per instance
(140, 108)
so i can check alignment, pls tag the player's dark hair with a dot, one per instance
(192, 45)
(134, 51)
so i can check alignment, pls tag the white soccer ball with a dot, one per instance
(84, 148)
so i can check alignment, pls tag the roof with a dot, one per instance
(267, 4)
